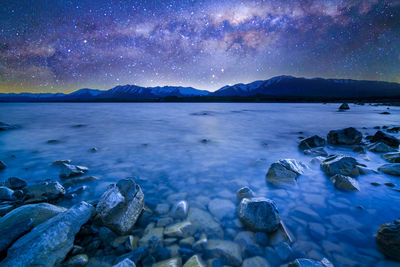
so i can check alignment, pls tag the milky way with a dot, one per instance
(55, 45)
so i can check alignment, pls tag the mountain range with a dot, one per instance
(280, 88)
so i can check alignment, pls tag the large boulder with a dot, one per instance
(311, 142)
(48, 243)
(388, 239)
(391, 169)
(12, 232)
(381, 147)
(228, 251)
(44, 191)
(120, 206)
(345, 183)
(388, 139)
(15, 183)
(347, 136)
(284, 171)
(259, 214)
(339, 164)
(392, 157)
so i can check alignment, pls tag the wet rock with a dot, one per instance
(359, 149)
(60, 162)
(180, 210)
(380, 147)
(392, 157)
(162, 209)
(318, 151)
(390, 184)
(303, 262)
(69, 170)
(6, 193)
(45, 191)
(344, 106)
(339, 164)
(228, 251)
(125, 263)
(180, 229)
(54, 141)
(345, 183)
(203, 222)
(48, 243)
(284, 251)
(244, 192)
(245, 239)
(364, 170)
(317, 230)
(221, 208)
(259, 214)
(173, 262)
(164, 221)
(195, 261)
(10, 233)
(391, 169)
(15, 183)
(2, 165)
(388, 139)
(79, 180)
(388, 239)
(284, 171)
(79, 260)
(187, 242)
(312, 142)
(255, 262)
(5, 126)
(152, 235)
(347, 136)
(317, 160)
(200, 244)
(120, 206)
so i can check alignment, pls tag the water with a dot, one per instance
(160, 144)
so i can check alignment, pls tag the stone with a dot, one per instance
(154, 234)
(380, 147)
(6, 193)
(293, 165)
(48, 243)
(120, 206)
(344, 106)
(317, 160)
(187, 242)
(221, 208)
(359, 149)
(392, 157)
(317, 230)
(347, 136)
(162, 209)
(60, 162)
(303, 262)
(125, 263)
(245, 239)
(388, 139)
(45, 191)
(200, 244)
(78, 180)
(391, 169)
(79, 260)
(15, 183)
(69, 170)
(203, 222)
(259, 214)
(339, 164)
(345, 183)
(164, 221)
(195, 261)
(388, 239)
(180, 210)
(244, 192)
(2, 165)
(284, 251)
(5, 126)
(318, 151)
(10, 233)
(312, 142)
(173, 262)
(256, 261)
(228, 251)
(284, 171)
(180, 229)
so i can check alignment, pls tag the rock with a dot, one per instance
(180, 229)
(359, 149)
(79, 260)
(6, 193)
(15, 183)
(392, 157)
(68, 170)
(221, 208)
(2, 165)
(151, 235)
(62, 161)
(347, 136)
(10, 233)
(186, 242)
(180, 210)
(391, 169)
(256, 261)
(244, 192)
(200, 244)
(388, 239)
(344, 106)
(245, 239)
(364, 170)
(293, 165)
(284, 171)
(48, 243)
(5, 126)
(195, 261)
(120, 206)
(317, 160)
(125, 263)
(343, 165)
(284, 251)
(203, 222)
(302, 262)
(381, 147)
(45, 191)
(259, 214)
(164, 221)
(388, 139)
(78, 180)
(173, 262)
(345, 183)
(385, 113)
(162, 209)
(228, 251)
(312, 142)
(318, 151)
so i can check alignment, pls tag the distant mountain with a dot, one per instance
(285, 88)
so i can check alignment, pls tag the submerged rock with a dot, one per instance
(125, 263)
(180, 210)
(69, 170)
(2, 165)
(339, 164)
(392, 157)
(62, 161)
(303, 262)
(344, 106)
(285, 171)
(221, 208)
(244, 192)
(45, 191)
(391, 169)
(79, 180)
(6, 193)
(259, 214)
(173, 262)
(256, 261)
(388, 239)
(347, 136)
(195, 261)
(5, 126)
(48, 243)
(79, 260)
(388, 139)
(312, 142)
(380, 147)
(180, 229)
(228, 251)
(345, 183)
(15, 183)
(120, 206)
(203, 222)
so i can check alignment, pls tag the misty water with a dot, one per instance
(202, 151)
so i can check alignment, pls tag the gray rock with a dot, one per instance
(152, 234)
(302, 262)
(195, 261)
(293, 165)
(255, 262)
(391, 169)
(125, 263)
(343, 165)
(120, 206)
(180, 210)
(48, 243)
(79, 260)
(173, 262)
(69, 170)
(221, 208)
(245, 239)
(78, 180)
(388, 239)
(345, 183)
(259, 214)
(203, 222)
(162, 208)
(228, 251)
(15, 183)
(45, 191)
(381, 147)
(347, 136)
(312, 142)
(187, 242)
(244, 192)
(318, 151)
(12, 232)
(392, 157)
(6, 193)
(180, 229)
(200, 244)
(284, 171)
(388, 139)
(284, 251)
(2, 165)
(344, 106)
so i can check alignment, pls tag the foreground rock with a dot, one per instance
(45, 191)
(6, 193)
(12, 232)
(221, 208)
(195, 261)
(259, 214)
(391, 169)
(312, 142)
(388, 239)
(392, 157)
(303, 262)
(255, 262)
(285, 171)
(49, 243)
(120, 206)
(204, 222)
(173, 262)
(69, 170)
(345, 183)
(228, 251)
(125, 263)
(339, 164)
(388, 139)
(347, 136)
(79, 260)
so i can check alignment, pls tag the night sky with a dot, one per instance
(62, 46)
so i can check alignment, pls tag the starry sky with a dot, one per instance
(62, 46)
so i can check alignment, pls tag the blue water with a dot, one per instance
(159, 144)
